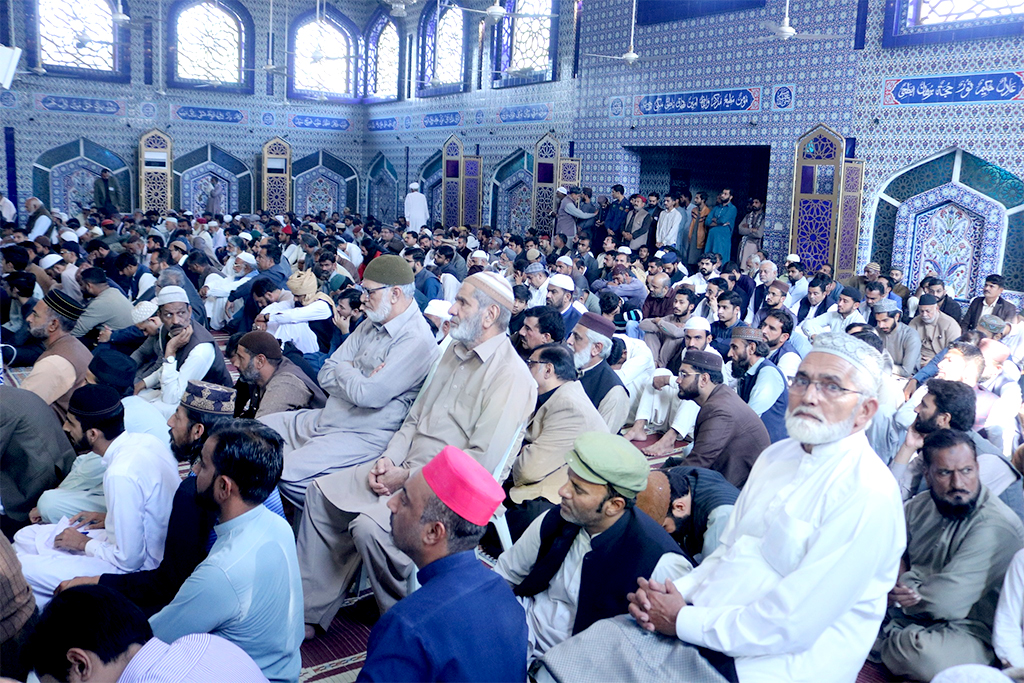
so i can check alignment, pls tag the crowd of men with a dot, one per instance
(605, 448)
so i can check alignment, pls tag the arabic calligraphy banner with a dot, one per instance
(80, 105)
(1005, 86)
(526, 112)
(317, 122)
(375, 125)
(444, 119)
(209, 114)
(703, 102)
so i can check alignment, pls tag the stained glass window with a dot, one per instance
(78, 34)
(382, 60)
(945, 11)
(448, 42)
(531, 37)
(209, 44)
(323, 59)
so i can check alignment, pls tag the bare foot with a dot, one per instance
(663, 445)
(637, 431)
(310, 633)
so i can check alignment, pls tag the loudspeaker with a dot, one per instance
(9, 58)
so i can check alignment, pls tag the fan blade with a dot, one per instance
(820, 36)
(770, 25)
(587, 54)
(474, 11)
(531, 16)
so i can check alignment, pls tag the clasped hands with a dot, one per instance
(386, 477)
(655, 606)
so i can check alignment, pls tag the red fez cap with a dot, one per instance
(107, 222)
(463, 485)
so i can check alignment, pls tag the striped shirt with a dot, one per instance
(195, 658)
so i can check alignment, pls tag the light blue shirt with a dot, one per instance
(249, 591)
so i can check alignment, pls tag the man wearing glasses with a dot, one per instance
(798, 585)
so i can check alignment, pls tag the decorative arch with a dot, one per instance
(966, 213)
(277, 160)
(452, 49)
(382, 190)
(335, 56)
(512, 194)
(323, 182)
(50, 25)
(430, 183)
(156, 177)
(242, 46)
(62, 177)
(817, 185)
(195, 172)
(383, 58)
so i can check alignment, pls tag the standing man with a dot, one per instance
(697, 235)
(720, 226)
(417, 213)
(106, 193)
(569, 213)
(438, 518)
(751, 230)
(668, 222)
(638, 223)
(615, 217)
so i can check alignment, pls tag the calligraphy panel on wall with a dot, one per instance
(817, 186)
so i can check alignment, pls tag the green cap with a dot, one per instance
(610, 459)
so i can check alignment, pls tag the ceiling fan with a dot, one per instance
(83, 40)
(496, 13)
(399, 7)
(630, 57)
(785, 31)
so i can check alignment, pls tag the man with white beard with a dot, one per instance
(591, 343)
(371, 381)
(478, 400)
(797, 588)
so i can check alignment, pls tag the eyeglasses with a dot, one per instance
(828, 388)
(530, 363)
(369, 292)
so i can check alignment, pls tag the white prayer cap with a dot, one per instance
(187, 213)
(98, 231)
(213, 224)
(659, 253)
(564, 259)
(562, 281)
(171, 294)
(228, 218)
(246, 257)
(69, 236)
(63, 216)
(280, 219)
(82, 230)
(971, 673)
(49, 261)
(414, 186)
(247, 236)
(439, 309)
(479, 253)
(494, 286)
(793, 258)
(563, 190)
(854, 351)
(625, 250)
(695, 322)
(144, 310)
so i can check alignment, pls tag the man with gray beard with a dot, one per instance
(797, 588)
(371, 382)
(591, 343)
(478, 400)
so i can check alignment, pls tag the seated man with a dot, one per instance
(248, 588)
(217, 289)
(105, 306)
(118, 645)
(438, 519)
(811, 606)
(575, 567)
(276, 384)
(371, 382)
(774, 300)
(478, 400)
(777, 328)
(699, 506)
(901, 341)
(563, 413)
(541, 325)
(761, 383)
(138, 485)
(836, 320)
(34, 454)
(591, 343)
(728, 436)
(665, 337)
(661, 410)
(561, 291)
(188, 351)
(116, 370)
(960, 541)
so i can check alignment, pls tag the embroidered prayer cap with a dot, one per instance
(206, 397)
(95, 400)
(532, 254)
(992, 324)
(609, 459)
(70, 236)
(703, 360)
(853, 350)
(562, 281)
(439, 309)
(748, 333)
(389, 270)
(535, 268)
(853, 293)
(927, 300)
(182, 245)
(113, 369)
(302, 283)
(463, 485)
(263, 343)
(246, 257)
(144, 310)
(597, 323)
(494, 286)
(779, 285)
(670, 257)
(886, 306)
(49, 261)
(696, 322)
(64, 305)
(873, 266)
(620, 270)
(171, 294)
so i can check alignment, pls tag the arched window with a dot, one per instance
(79, 37)
(945, 11)
(442, 47)
(213, 45)
(382, 57)
(324, 51)
(927, 22)
(524, 50)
